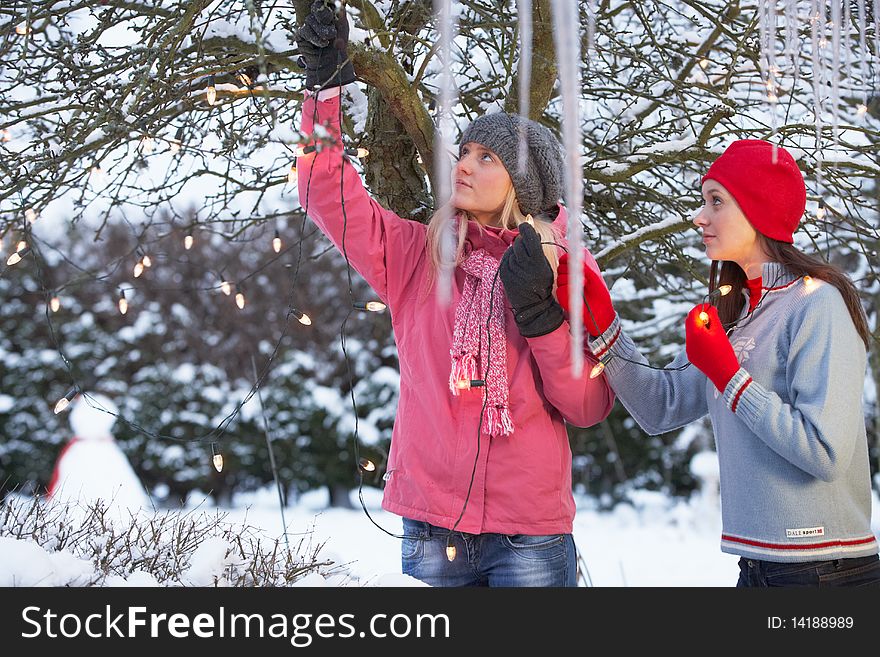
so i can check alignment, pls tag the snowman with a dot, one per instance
(92, 466)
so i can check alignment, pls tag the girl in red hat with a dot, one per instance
(480, 475)
(778, 366)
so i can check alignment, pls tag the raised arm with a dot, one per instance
(380, 245)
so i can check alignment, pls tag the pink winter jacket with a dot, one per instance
(521, 482)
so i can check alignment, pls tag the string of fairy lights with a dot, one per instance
(147, 145)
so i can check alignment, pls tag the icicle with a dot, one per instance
(772, 70)
(835, 72)
(863, 51)
(846, 26)
(566, 37)
(524, 16)
(877, 35)
(817, 28)
(791, 35)
(442, 148)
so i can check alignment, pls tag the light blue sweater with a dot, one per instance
(789, 427)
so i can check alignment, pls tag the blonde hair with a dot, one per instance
(511, 217)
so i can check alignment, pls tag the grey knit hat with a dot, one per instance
(539, 186)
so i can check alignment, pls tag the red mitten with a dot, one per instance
(708, 347)
(595, 293)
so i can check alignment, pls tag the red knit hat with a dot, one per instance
(772, 196)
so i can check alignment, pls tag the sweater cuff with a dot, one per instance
(736, 388)
(603, 344)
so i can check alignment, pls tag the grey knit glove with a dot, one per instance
(528, 283)
(323, 45)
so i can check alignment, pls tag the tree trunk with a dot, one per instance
(392, 169)
(339, 498)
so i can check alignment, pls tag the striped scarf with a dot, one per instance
(475, 305)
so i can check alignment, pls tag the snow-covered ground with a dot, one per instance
(653, 542)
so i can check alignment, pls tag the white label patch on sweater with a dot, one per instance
(805, 531)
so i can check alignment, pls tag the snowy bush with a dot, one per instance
(91, 546)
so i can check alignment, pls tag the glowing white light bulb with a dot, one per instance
(55, 304)
(23, 28)
(147, 145)
(239, 300)
(292, 175)
(64, 402)
(138, 269)
(147, 261)
(31, 215)
(276, 242)
(123, 303)
(226, 288)
(211, 93)
(217, 461)
(188, 242)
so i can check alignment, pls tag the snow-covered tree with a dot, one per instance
(160, 106)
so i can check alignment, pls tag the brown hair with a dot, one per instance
(730, 306)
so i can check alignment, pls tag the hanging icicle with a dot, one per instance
(863, 56)
(566, 37)
(767, 60)
(817, 31)
(442, 148)
(835, 73)
(791, 35)
(524, 17)
(877, 38)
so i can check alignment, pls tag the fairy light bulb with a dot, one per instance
(31, 215)
(367, 465)
(123, 302)
(64, 402)
(211, 93)
(188, 242)
(704, 63)
(862, 109)
(362, 153)
(598, 368)
(225, 287)
(302, 317)
(177, 142)
(147, 145)
(704, 317)
(820, 211)
(451, 552)
(216, 459)
(5, 135)
(55, 304)
(276, 242)
(147, 261)
(23, 28)
(21, 246)
(725, 289)
(138, 269)
(16, 257)
(370, 306)
(467, 384)
(239, 300)
(292, 175)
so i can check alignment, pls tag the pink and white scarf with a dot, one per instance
(470, 327)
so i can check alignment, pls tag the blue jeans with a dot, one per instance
(862, 571)
(487, 559)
